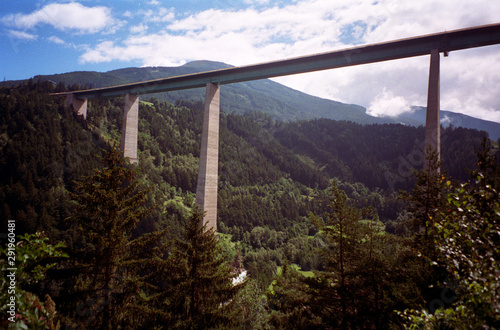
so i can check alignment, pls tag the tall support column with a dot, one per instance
(79, 106)
(130, 127)
(432, 122)
(206, 190)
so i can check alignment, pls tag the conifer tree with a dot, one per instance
(425, 199)
(343, 232)
(425, 203)
(350, 292)
(202, 292)
(107, 207)
(466, 238)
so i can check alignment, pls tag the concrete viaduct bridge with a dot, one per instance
(206, 191)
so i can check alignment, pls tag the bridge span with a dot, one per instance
(206, 191)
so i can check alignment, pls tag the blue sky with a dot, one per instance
(46, 37)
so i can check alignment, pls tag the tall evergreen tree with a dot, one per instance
(425, 199)
(466, 238)
(107, 207)
(202, 291)
(354, 289)
(343, 233)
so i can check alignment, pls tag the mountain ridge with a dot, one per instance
(282, 103)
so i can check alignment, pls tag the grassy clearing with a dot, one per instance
(294, 266)
(297, 268)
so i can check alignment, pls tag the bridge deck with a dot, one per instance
(403, 48)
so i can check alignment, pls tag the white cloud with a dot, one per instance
(139, 29)
(446, 121)
(303, 27)
(410, 18)
(56, 40)
(22, 35)
(158, 15)
(470, 84)
(104, 52)
(69, 16)
(259, 2)
(387, 104)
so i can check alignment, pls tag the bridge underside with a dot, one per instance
(206, 192)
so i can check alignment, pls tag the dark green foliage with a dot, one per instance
(426, 198)
(380, 156)
(252, 307)
(107, 207)
(356, 264)
(202, 291)
(425, 203)
(466, 237)
(42, 149)
(344, 232)
(363, 281)
(271, 175)
(291, 302)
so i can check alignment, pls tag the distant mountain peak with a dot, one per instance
(417, 116)
(206, 65)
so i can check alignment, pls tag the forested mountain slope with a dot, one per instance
(378, 155)
(269, 171)
(278, 101)
(272, 176)
(45, 147)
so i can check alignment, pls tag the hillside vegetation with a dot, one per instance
(279, 102)
(278, 185)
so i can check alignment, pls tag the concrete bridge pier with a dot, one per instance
(432, 122)
(130, 127)
(79, 106)
(206, 190)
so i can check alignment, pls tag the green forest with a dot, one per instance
(335, 224)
